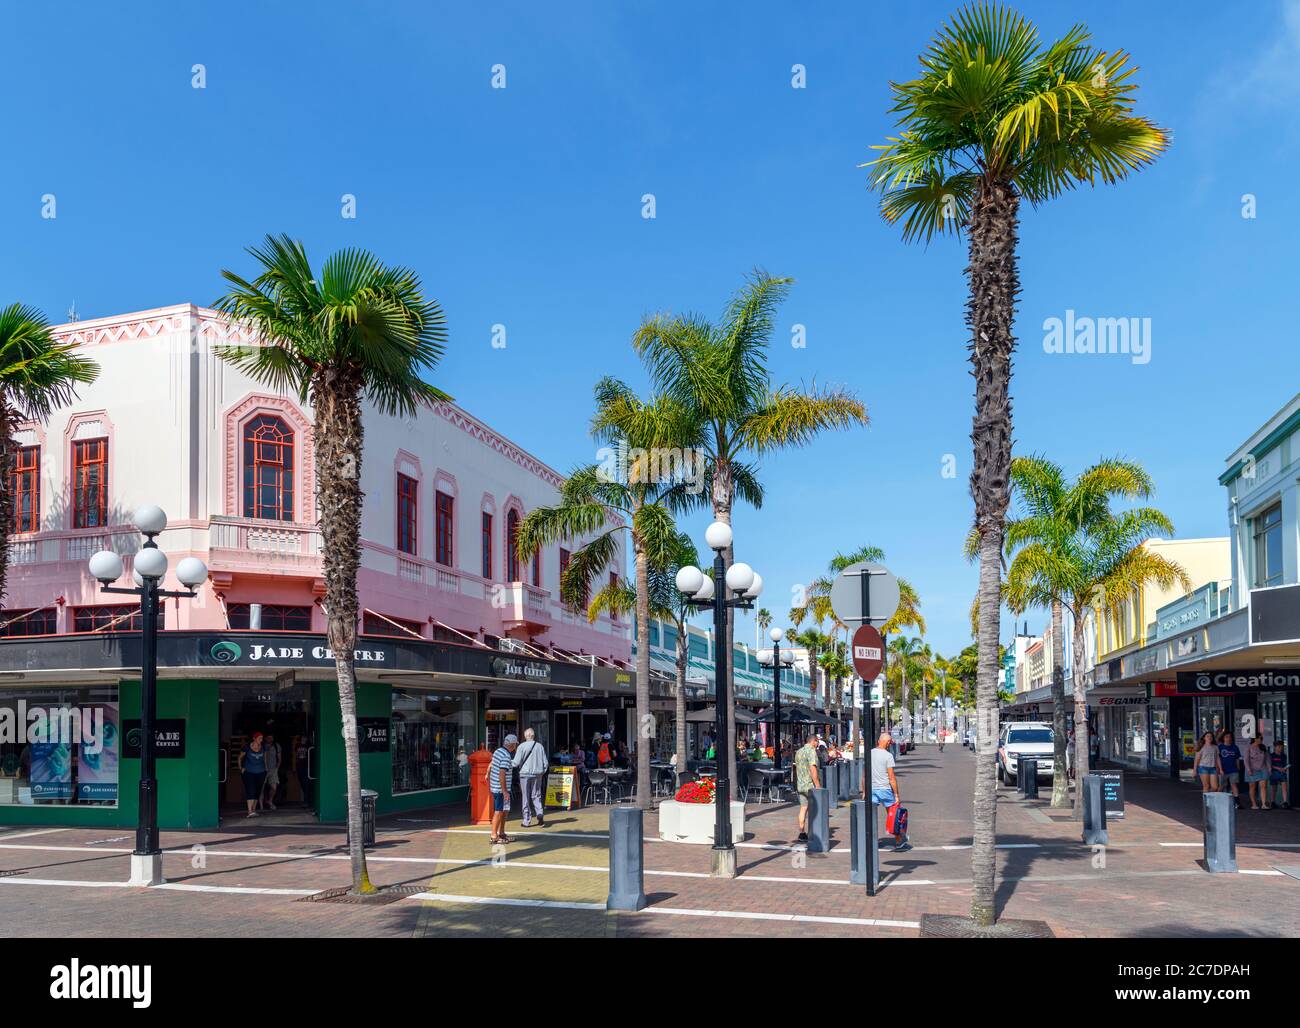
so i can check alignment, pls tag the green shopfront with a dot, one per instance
(70, 709)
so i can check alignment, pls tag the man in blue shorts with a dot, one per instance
(884, 785)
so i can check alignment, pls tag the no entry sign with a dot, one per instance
(868, 652)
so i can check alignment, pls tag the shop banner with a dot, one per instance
(1200, 683)
(559, 787)
(373, 734)
(97, 771)
(168, 738)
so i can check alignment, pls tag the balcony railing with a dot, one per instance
(71, 545)
(287, 541)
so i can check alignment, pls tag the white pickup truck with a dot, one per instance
(1025, 739)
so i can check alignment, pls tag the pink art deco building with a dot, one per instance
(472, 641)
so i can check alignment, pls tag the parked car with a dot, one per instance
(1021, 739)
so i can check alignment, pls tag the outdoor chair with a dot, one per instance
(597, 785)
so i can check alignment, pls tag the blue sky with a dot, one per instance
(522, 207)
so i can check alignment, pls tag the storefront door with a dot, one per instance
(282, 714)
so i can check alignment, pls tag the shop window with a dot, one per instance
(1268, 547)
(275, 617)
(444, 507)
(112, 617)
(89, 483)
(407, 504)
(537, 569)
(268, 469)
(512, 546)
(487, 546)
(68, 750)
(25, 488)
(432, 736)
(373, 624)
(14, 623)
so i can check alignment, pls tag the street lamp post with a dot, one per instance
(704, 592)
(150, 567)
(775, 658)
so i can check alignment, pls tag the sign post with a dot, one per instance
(866, 594)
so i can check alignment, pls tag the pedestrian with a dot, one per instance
(884, 787)
(1256, 765)
(499, 776)
(807, 777)
(604, 754)
(531, 763)
(1230, 764)
(1207, 763)
(301, 766)
(252, 768)
(1277, 774)
(943, 737)
(272, 769)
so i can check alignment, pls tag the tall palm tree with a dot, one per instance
(720, 374)
(762, 620)
(354, 332)
(995, 117)
(38, 375)
(1070, 551)
(638, 501)
(667, 604)
(908, 659)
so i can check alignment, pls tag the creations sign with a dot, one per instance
(1199, 683)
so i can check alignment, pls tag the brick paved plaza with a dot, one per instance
(69, 882)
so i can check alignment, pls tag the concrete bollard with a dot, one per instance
(831, 773)
(626, 862)
(819, 824)
(846, 780)
(1220, 831)
(1029, 778)
(1094, 812)
(862, 854)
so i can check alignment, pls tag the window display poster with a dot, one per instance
(97, 770)
(51, 768)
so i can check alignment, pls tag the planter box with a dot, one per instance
(693, 822)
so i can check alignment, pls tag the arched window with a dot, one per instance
(268, 469)
(512, 554)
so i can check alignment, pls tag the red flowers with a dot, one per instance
(702, 791)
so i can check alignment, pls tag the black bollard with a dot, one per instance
(1094, 812)
(846, 780)
(819, 824)
(1029, 778)
(1220, 831)
(863, 852)
(831, 773)
(626, 863)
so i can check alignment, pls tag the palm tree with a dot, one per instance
(638, 501)
(993, 118)
(667, 604)
(38, 375)
(1071, 552)
(908, 659)
(719, 373)
(762, 620)
(355, 331)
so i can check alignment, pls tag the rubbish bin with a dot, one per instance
(369, 802)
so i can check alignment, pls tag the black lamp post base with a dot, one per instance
(724, 862)
(146, 869)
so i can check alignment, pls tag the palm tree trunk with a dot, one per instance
(338, 440)
(1060, 771)
(645, 719)
(682, 657)
(6, 497)
(990, 314)
(1080, 718)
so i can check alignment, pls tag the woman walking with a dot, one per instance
(1207, 763)
(1256, 762)
(252, 767)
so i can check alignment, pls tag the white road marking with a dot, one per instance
(28, 835)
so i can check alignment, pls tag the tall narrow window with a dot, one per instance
(25, 488)
(512, 551)
(443, 528)
(1268, 547)
(537, 568)
(407, 488)
(89, 483)
(487, 545)
(268, 469)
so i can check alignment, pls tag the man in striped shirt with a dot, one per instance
(500, 772)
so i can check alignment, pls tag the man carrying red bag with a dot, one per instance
(884, 790)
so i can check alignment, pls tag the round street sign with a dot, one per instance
(868, 652)
(880, 589)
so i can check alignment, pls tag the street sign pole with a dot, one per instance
(868, 747)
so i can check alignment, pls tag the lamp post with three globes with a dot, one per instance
(775, 658)
(150, 567)
(733, 587)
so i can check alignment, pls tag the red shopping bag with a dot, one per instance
(896, 820)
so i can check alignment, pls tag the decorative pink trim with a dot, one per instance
(470, 425)
(38, 430)
(304, 456)
(489, 504)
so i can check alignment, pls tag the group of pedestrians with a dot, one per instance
(262, 767)
(1221, 766)
(810, 761)
(530, 762)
